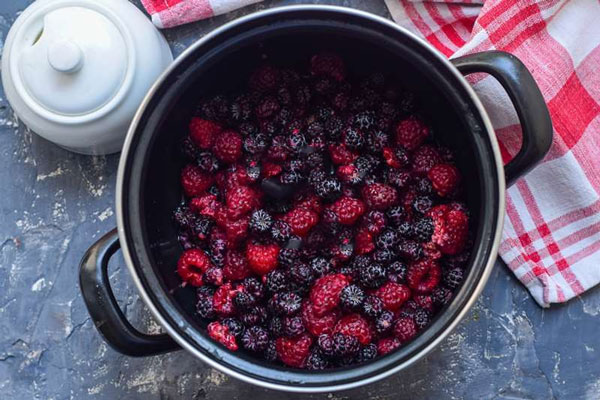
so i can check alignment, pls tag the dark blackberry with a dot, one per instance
(315, 160)
(329, 188)
(296, 142)
(276, 281)
(260, 221)
(377, 140)
(453, 277)
(267, 107)
(387, 239)
(270, 353)
(317, 361)
(295, 165)
(396, 215)
(186, 240)
(283, 117)
(372, 306)
(217, 251)
(325, 343)
(405, 229)
(341, 100)
(352, 297)
(240, 109)
(316, 176)
(189, 149)
(397, 272)
(301, 274)
(184, 217)
(314, 129)
(334, 127)
(247, 128)
(320, 266)
(384, 256)
(353, 139)
(285, 303)
(423, 185)
(256, 316)
(202, 226)
(441, 296)
(214, 190)
(345, 345)
(422, 204)
(366, 164)
(288, 256)
(384, 322)
(290, 177)
(243, 301)
(269, 127)
(302, 95)
(422, 318)
(373, 276)
(423, 229)
(256, 143)
(324, 113)
(293, 326)
(204, 306)
(254, 287)
(354, 267)
(216, 109)
(213, 276)
(205, 291)
(364, 120)
(459, 260)
(367, 353)
(236, 328)
(281, 231)
(409, 249)
(275, 326)
(398, 178)
(255, 339)
(323, 85)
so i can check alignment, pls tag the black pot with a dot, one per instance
(148, 184)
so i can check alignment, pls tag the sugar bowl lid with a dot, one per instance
(75, 71)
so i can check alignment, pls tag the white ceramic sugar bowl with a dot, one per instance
(75, 71)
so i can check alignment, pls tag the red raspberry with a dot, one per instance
(363, 242)
(241, 200)
(235, 230)
(379, 196)
(318, 325)
(265, 78)
(328, 64)
(444, 178)
(228, 146)
(374, 222)
(203, 132)
(425, 301)
(194, 181)
(391, 159)
(424, 276)
(354, 325)
(348, 173)
(270, 169)
(310, 202)
(393, 295)
(387, 345)
(348, 210)
(221, 334)
(301, 220)
(411, 133)
(425, 158)
(405, 329)
(223, 299)
(262, 259)
(294, 351)
(325, 294)
(341, 155)
(191, 265)
(205, 205)
(235, 266)
(451, 227)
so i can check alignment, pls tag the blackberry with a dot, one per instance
(285, 303)
(214, 190)
(290, 178)
(453, 277)
(247, 128)
(423, 229)
(345, 345)
(422, 318)
(217, 251)
(459, 260)
(329, 188)
(387, 239)
(366, 164)
(293, 326)
(423, 186)
(296, 142)
(372, 306)
(352, 269)
(302, 95)
(384, 322)
(216, 109)
(441, 296)
(315, 129)
(377, 140)
(341, 100)
(295, 165)
(410, 250)
(301, 274)
(281, 231)
(353, 139)
(397, 272)
(405, 229)
(334, 127)
(402, 156)
(367, 353)
(389, 110)
(352, 297)
(398, 178)
(317, 361)
(315, 161)
(204, 307)
(323, 85)
(325, 344)
(283, 117)
(213, 276)
(184, 217)
(270, 353)
(240, 109)
(243, 301)
(202, 227)
(287, 257)
(260, 221)
(384, 256)
(276, 326)
(254, 287)
(324, 113)
(276, 281)
(255, 339)
(316, 176)
(205, 291)
(267, 107)
(284, 96)
(189, 149)
(396, 215)
(320, 266)
(236, 328)
(256, 143)
(373, 276)
(256, 316)
(364, 120)
(422, 204)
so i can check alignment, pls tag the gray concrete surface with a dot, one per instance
(54, 204)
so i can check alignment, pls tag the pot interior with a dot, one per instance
(151, 188)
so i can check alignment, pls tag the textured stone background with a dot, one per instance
(54, 204)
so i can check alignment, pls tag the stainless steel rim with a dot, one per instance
(290, 388)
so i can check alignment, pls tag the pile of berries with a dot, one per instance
(322, 226)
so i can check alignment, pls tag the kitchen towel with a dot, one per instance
(551, 238)
(170, 13)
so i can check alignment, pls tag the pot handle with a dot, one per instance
(104, 309)
(527, 100)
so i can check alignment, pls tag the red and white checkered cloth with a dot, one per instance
(551, 238)
(170, 13)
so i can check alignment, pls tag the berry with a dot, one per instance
(453, 278)
(288, 256)
(422, 318)
(353, 139)
(384, 256)
(192, 265)
(411, 133)
(256, 316)
(387, 239)
(441, 296)
(267, 107)
(352, 297)
(422, 204)
(223, 299)
(260, 221)
(243, 301)
(285, 303)
(235, 266)
(379, 196)
(281, 231)
(301, 274)
(374, 221)
(270, 353)
(194, 181)
(364, 120)
(424, 276)
(207, 162)
(206, 205)
(203, 132)
(345, 345)
(377, 141)
(204, 306)
(262, 259)
(240, 109)
(294, 351)
(384, 322)
(423, 229)
(301, 220)
(221, 334)
(424, 159)
(236, 328)
(255, 339)
(393, 295)
(328, 64)
(364, 242)
(341, 155)
(405, 329)
(256, 143)
(400, 179)
(325, 294)
(228, 146)
(275, 281)
(450, 229)
(240, 201)
(276, 326)
(329, 188)
(373, 276)
(396, 157)
(265, 78)
(397, 272)
(409, 250)
(372, 306)
(354, 325)
(320, 266)
(293, 326)
(348, 210)
(213, 276)
(387, 345)
(316, 361)
(318, 325)
(423, 185)
(366, 353)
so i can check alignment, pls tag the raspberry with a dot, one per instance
(328, 64)
(354, 325)
(293, 326)
(265, 78)
(262, 259)
(236, 328)
(387, 345)
(228, 146)
(240, 201)
(348, 210)
(221, 334)
(384, 322)
(235, 230)
(393, 295)
(255, 339)
(235, 266)
(450, 229)
(191, 265)
(318, 325)
(223, 299)
(260, 221)
(453, 278)
(405, 329)
(194, 181)
(395, 157)
(423, 229)
(329, 188)
(341, 155)
(374, 221)
(364, 242)
(270, 169)
(203, 132)
(301, 220)
(424, 159)
(213, 276)
(320, 266)
(424, 276)
(367, 353)
(411, 133)
(310, 202)
(372, 306)
(379, 196)
(349, 174)
(352, 297)
(316, 361)
(294, 351)
(325, 294)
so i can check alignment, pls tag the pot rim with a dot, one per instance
(486, 271)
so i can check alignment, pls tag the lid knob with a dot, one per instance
(65, 56)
